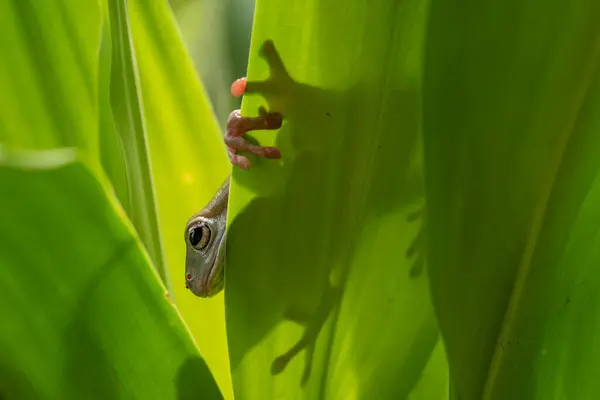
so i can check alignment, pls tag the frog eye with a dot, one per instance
(199, 236)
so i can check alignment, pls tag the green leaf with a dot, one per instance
(127, 111)
(511, 121)
(48, 83)
(328, 237)
(87, 320)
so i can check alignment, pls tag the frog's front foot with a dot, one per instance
(277, 87)
(278, 83)
(238, 126)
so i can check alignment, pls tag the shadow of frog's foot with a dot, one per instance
(415, 250)
(279, 80)
(282, 361)
(312, 327)
(307, 343)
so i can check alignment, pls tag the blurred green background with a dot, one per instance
(217, 35)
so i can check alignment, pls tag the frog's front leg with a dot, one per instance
(238, 126)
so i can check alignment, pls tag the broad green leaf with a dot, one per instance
(189, 162)
(328, 237)
(511, 122)
(49, 80)
(85, 316)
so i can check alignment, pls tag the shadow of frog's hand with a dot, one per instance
(312, 327)
(313, 323)
(279, 81)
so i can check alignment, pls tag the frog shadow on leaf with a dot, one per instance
(310, 211)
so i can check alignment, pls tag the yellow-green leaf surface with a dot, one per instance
(189, 162)
(324, 263)
(512, 144)
(84, 315)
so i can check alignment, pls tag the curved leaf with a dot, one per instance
(89, 319)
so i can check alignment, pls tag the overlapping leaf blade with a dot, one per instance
(85, 314)
(511, 119)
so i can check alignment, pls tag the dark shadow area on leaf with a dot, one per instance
(295, 288)
(294, 264)
(310, 209)
(14, 383)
